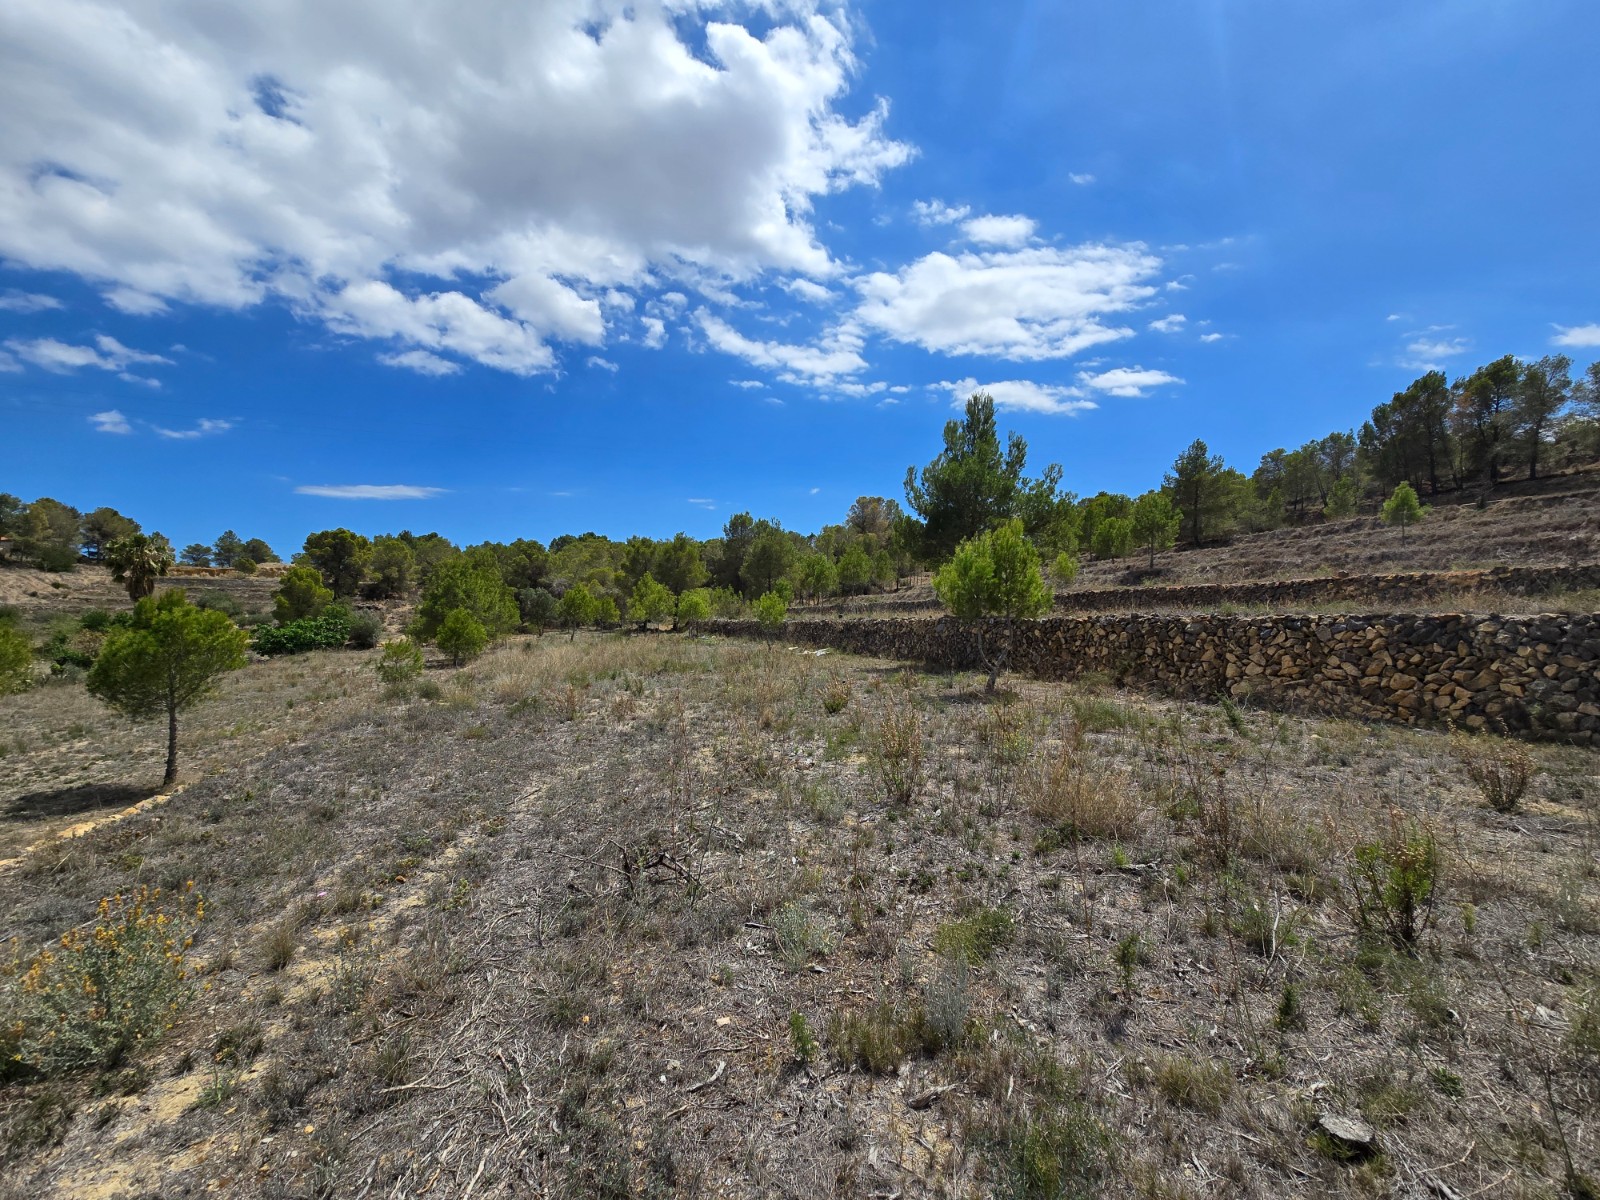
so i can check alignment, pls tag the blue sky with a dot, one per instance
(584, 265)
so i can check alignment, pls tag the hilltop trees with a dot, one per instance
(994, 574)
(340, 556)
(195, 554)
(102, 527)
(1205, 490)
(392, 569)
(972, 484)
(48, 532)
(476, 588)
(166, 661)
(138, 560)
(1545, 389)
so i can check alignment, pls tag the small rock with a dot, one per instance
(1358, 1135)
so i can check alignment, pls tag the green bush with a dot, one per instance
(98, 993)
(400, 661)
(16, 661)
(96, 620)
(69, 647)
(329, 631)
(365, 630)
(462, 636)
(1394, 882)
(300, 595)
(771, 610)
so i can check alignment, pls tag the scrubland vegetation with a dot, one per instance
(660, 915)
(493, 871)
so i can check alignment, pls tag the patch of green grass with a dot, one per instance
(975, 938)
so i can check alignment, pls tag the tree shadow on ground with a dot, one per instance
(68, 802)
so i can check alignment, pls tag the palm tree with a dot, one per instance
(136, 561)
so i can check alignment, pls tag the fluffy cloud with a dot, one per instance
(110, 421)
(1126, 381)
(1081, 178)
(1021, 305)
(480, 182)
(1169, 324)
(369, 491)
(1211, 337)
(999, 231)
(107, 354)
(1579, 337)
(1021, 395)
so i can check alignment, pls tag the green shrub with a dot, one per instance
(70, 648)
(300, 595)
(461, 636)
(400, 661)
(365, 630)
(694, 606)
(16, 661)
(974, 939)
(329, 631)
(771, 610)
(220, 602)
(99, 993)
(96, 620)
(1061, 1152)
(245, 566)
(1394, 882)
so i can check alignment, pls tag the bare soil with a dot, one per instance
(648, 915)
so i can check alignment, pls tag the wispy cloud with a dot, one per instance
(601, 364)
(1021, 395)
(702, 502)
(204, 428)
(1081, 178)
(1212, 337)
(63, 358)
(937, 212)
(110, 421)
(1169, 324)
(1428, 354)
(11, 300)
(369, 491)
(421, 362)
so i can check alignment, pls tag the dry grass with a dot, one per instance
(550, 933)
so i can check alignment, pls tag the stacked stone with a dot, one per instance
(1537, 676)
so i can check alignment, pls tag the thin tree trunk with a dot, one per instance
(171, 776)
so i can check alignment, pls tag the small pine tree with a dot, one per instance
(576, 609)
(166, 661)
(399, 661)
(694, 606)
(651, 602)
(1154, 523)
(462, 636)
(771, 610)
(995, 574)
(1065, 568)
(1403, 508)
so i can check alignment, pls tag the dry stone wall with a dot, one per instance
(1534, 676)
(1392, 592)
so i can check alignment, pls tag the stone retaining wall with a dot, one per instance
(1535, 676)
(1391, 592)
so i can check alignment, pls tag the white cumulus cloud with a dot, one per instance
(1428, 354)
(1000, 231)
(110, 421)
(1021, 395)
(483, 181)
(1579, 337)
(1169, 324)
(1021, 305)
(835, 354)
(1126, 381)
